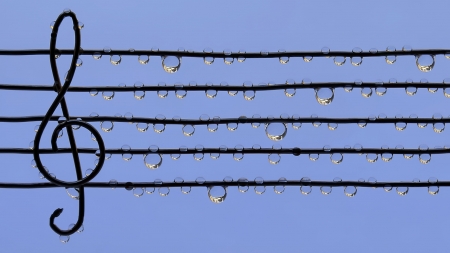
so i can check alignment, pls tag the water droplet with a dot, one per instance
(107, 126)
(400, 126)
(126, 156)
(327, 148)
(274, 159)
(115, 59)
(232, 126)
(386, 156)
(113, 183)
(208, 60)
(241, 58)
(411, 91)
(305, 188)
(210, 93)
(108, 95)
(79, 62)
(290, 92)
(283, 59)
(316, 123)
(324, 96)
(256, 147)
(402, 190)
(171, 64)
(425, 63)
(371, 158)
(438, 127)
(366, 92)
(73, 193)
(336, 158)
(97, 55)
(256, 124)
(325, 50)
(356, 60)
(64, 238)
(138, 192)
(242, 185)
(93, 92)
(390, 59)
(313, 157)
(433, 190)
(296, 125)
(200, 180)
(228, 60)
(80, 230)
(350, 191)
(249, 94)
(279, 189)
(373, 50)
(163, 191)
(138, 94)
(276, 131)
(424, 158)
(357, 147)
(217, 194)
(238, 155)
(339, 60)
(307, 58)
(143, 59)
(326, 190)
(387, 188)
(332, 126)
(152, 160)
(162, 93)
(362, 123)
(381, 91)
(259, 189)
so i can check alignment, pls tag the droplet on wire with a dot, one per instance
(108, 95)
(115, 59)
(324, 96)
(125, 155)
(356, 60)
(290, 92)
(438, 127)
(283, 59)
(228, 60)
(208, 60)
(143, 59)
(153, 160)
(217, 194)
(276, 131)
(339, 60)
(259, 189)
(425, 63)
(171, 64)
(390, 59)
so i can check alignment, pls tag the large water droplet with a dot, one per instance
(438, 127)
(425, 63)
(171, 64)
(276, 131)
(217, 194)
(325, 190)
(402, 190)
(336, 158)
(350, 191)
(324, 96)
(108, 95)
(152, 160)
(305, 188)
(143, 59)
(115, 59)
(400, 126)
(107, 126)
(339, 60)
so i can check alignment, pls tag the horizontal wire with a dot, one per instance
(262, 87)
(132, 185)
(295, 151)
(240, 120)
(199, 54)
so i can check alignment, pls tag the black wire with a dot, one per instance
(131, 185)
(295, 151)
(256, 87)
(198, 54)
(221, 121)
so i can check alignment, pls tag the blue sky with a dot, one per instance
(115, 220)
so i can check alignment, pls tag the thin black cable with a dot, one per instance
(198, 54)
(222, 121)
(294, 151)
(218, 87)
(131, 185)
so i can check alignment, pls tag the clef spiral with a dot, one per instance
(67, 124)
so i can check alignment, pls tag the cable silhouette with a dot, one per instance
(102, 153)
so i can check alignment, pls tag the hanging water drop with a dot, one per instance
(171, 64)
(276, 131)
(324, 96)
(425, 63)
(217, 194)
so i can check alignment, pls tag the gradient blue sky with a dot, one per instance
(116, 221)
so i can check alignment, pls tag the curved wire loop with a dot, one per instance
(62, 89)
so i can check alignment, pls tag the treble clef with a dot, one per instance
(68, 125)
